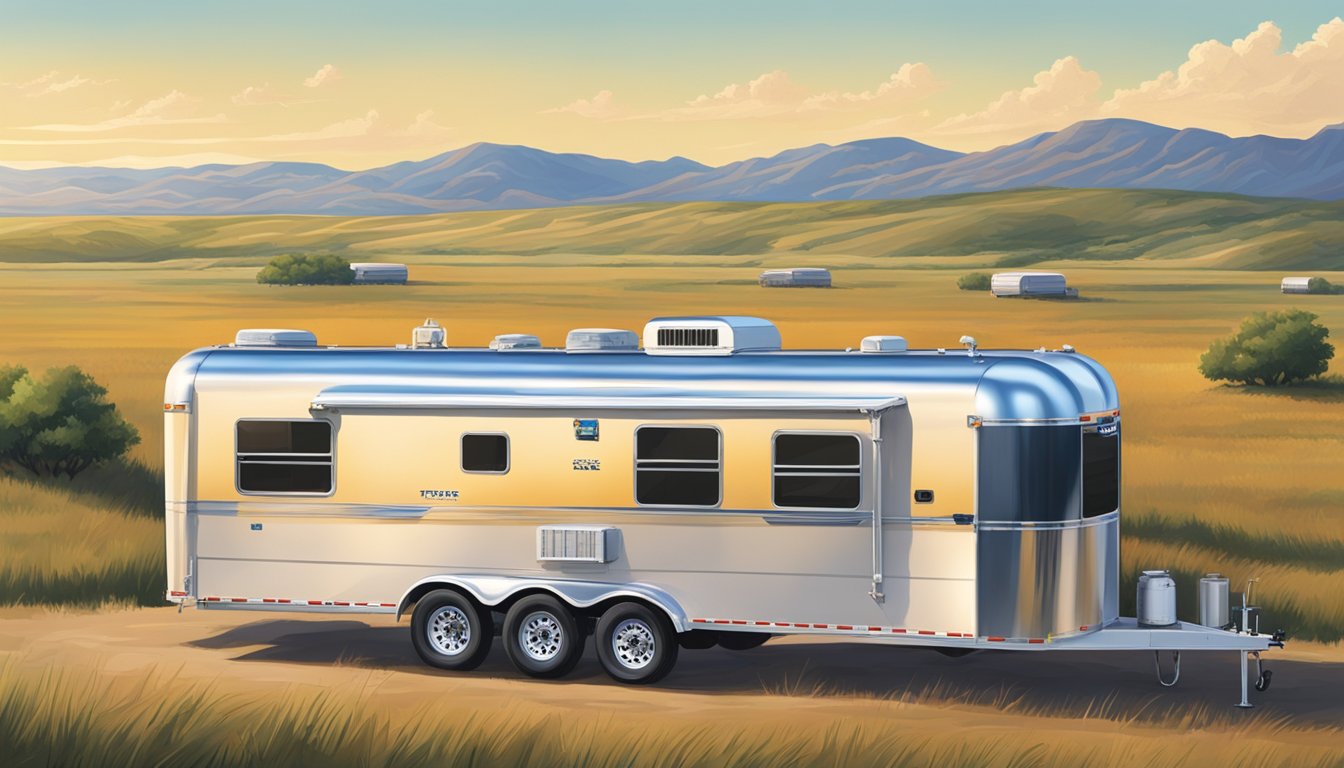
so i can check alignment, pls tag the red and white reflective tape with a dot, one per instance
(289, 601)
(866, 630)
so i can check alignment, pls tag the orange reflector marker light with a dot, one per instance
(1084, 418)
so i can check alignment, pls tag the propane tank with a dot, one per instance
(1213, 601)
(1156, 599)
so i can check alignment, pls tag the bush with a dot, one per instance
(307, 269)
(975, 281)
(1319, 285)
(60, 424)
(1271, 348)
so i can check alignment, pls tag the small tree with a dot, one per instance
(307, 269)
(59, 425)
(975, 281)
(1271, 348)
(1320, 285)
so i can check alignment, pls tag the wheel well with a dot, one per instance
(592, 611)
(420, 591)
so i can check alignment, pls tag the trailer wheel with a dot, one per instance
(449, 631)
(636, 644)
(742, 641)
(542, 637)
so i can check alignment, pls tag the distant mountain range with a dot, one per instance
(1093, 154)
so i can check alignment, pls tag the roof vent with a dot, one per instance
(506, 341)
(883, 344)
(274, 337)
(429, 336)
(709, 335)
(600, 340)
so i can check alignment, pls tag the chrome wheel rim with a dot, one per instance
(449, 630)
(540, 636)
(633, 644)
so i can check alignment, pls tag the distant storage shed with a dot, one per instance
(802, 277)
(1028, 284)
(1295, 285)
(368, 273)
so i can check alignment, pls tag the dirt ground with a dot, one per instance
(832, 679)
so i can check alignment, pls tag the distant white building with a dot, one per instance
(1295, 284)
(801, 277)
(371, 273)
(1028, 284)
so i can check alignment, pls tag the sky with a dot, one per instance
(360, 84)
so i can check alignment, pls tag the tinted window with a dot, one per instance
(817, 471)
(1030, 474)
(485, 453)
(678, 466)
(284, 456)
(1101, 470)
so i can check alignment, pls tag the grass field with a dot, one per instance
(1244, 481)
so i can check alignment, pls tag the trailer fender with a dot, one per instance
(493, 590)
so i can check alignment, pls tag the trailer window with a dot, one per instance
(277, 457)
(817, 471)
(678, 466)
(1029, 473)
(1101, 470)
(485, 453)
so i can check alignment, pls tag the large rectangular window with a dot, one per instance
(678, 466)
(278, 457)
(485, 452)
(820, 471)
(1030, 473)
(1101, 470)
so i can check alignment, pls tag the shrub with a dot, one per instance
(975, 281)
(1320, 285)
(307, 269)
(59, 424)
(1271, 348)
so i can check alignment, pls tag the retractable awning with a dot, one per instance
(453, 398)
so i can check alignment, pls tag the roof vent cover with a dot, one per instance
(601, 340)
(718, 335)
(274, 337)
(883, 344)
(506, 341)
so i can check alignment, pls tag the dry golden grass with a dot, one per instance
(87, 716)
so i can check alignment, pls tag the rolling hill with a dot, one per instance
(1114, 153)
(994, 229)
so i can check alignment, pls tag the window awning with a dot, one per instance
(594, 398)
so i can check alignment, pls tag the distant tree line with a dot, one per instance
(1319, 285)
(307, 269)
(974, 281)
(59, 424)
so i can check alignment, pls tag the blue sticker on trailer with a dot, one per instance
(585, 429)
(256, 526)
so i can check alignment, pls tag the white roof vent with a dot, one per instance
(600, 340)
(710, 335)
(429, 336)
(883, 344)
(506, 341)
(274, 337)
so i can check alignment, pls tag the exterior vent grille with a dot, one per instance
(688, 337)
(576, 543)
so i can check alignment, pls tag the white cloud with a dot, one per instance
(1248, 86)
(254, 95)
(424, 126)
(912, 81)
(52, 82)
(327, 74)
(600, 107)
(168, 109)
(1058, 96)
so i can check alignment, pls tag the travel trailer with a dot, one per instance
(801, 277)
(1295, 285)
(1028, 284)
(694, 485)
(376, 273)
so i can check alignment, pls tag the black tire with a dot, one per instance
(698, 639)
(742, 641)
(541, 637)
(450, 631)
(636, 644)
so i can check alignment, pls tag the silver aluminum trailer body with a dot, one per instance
(1028, 284)
(379, 273)
(1295, 285)
(801, 277)
(957, 499)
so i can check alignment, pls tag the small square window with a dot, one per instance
(485, 453)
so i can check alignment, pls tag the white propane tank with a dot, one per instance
(1213, 601)
(1156, 599)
